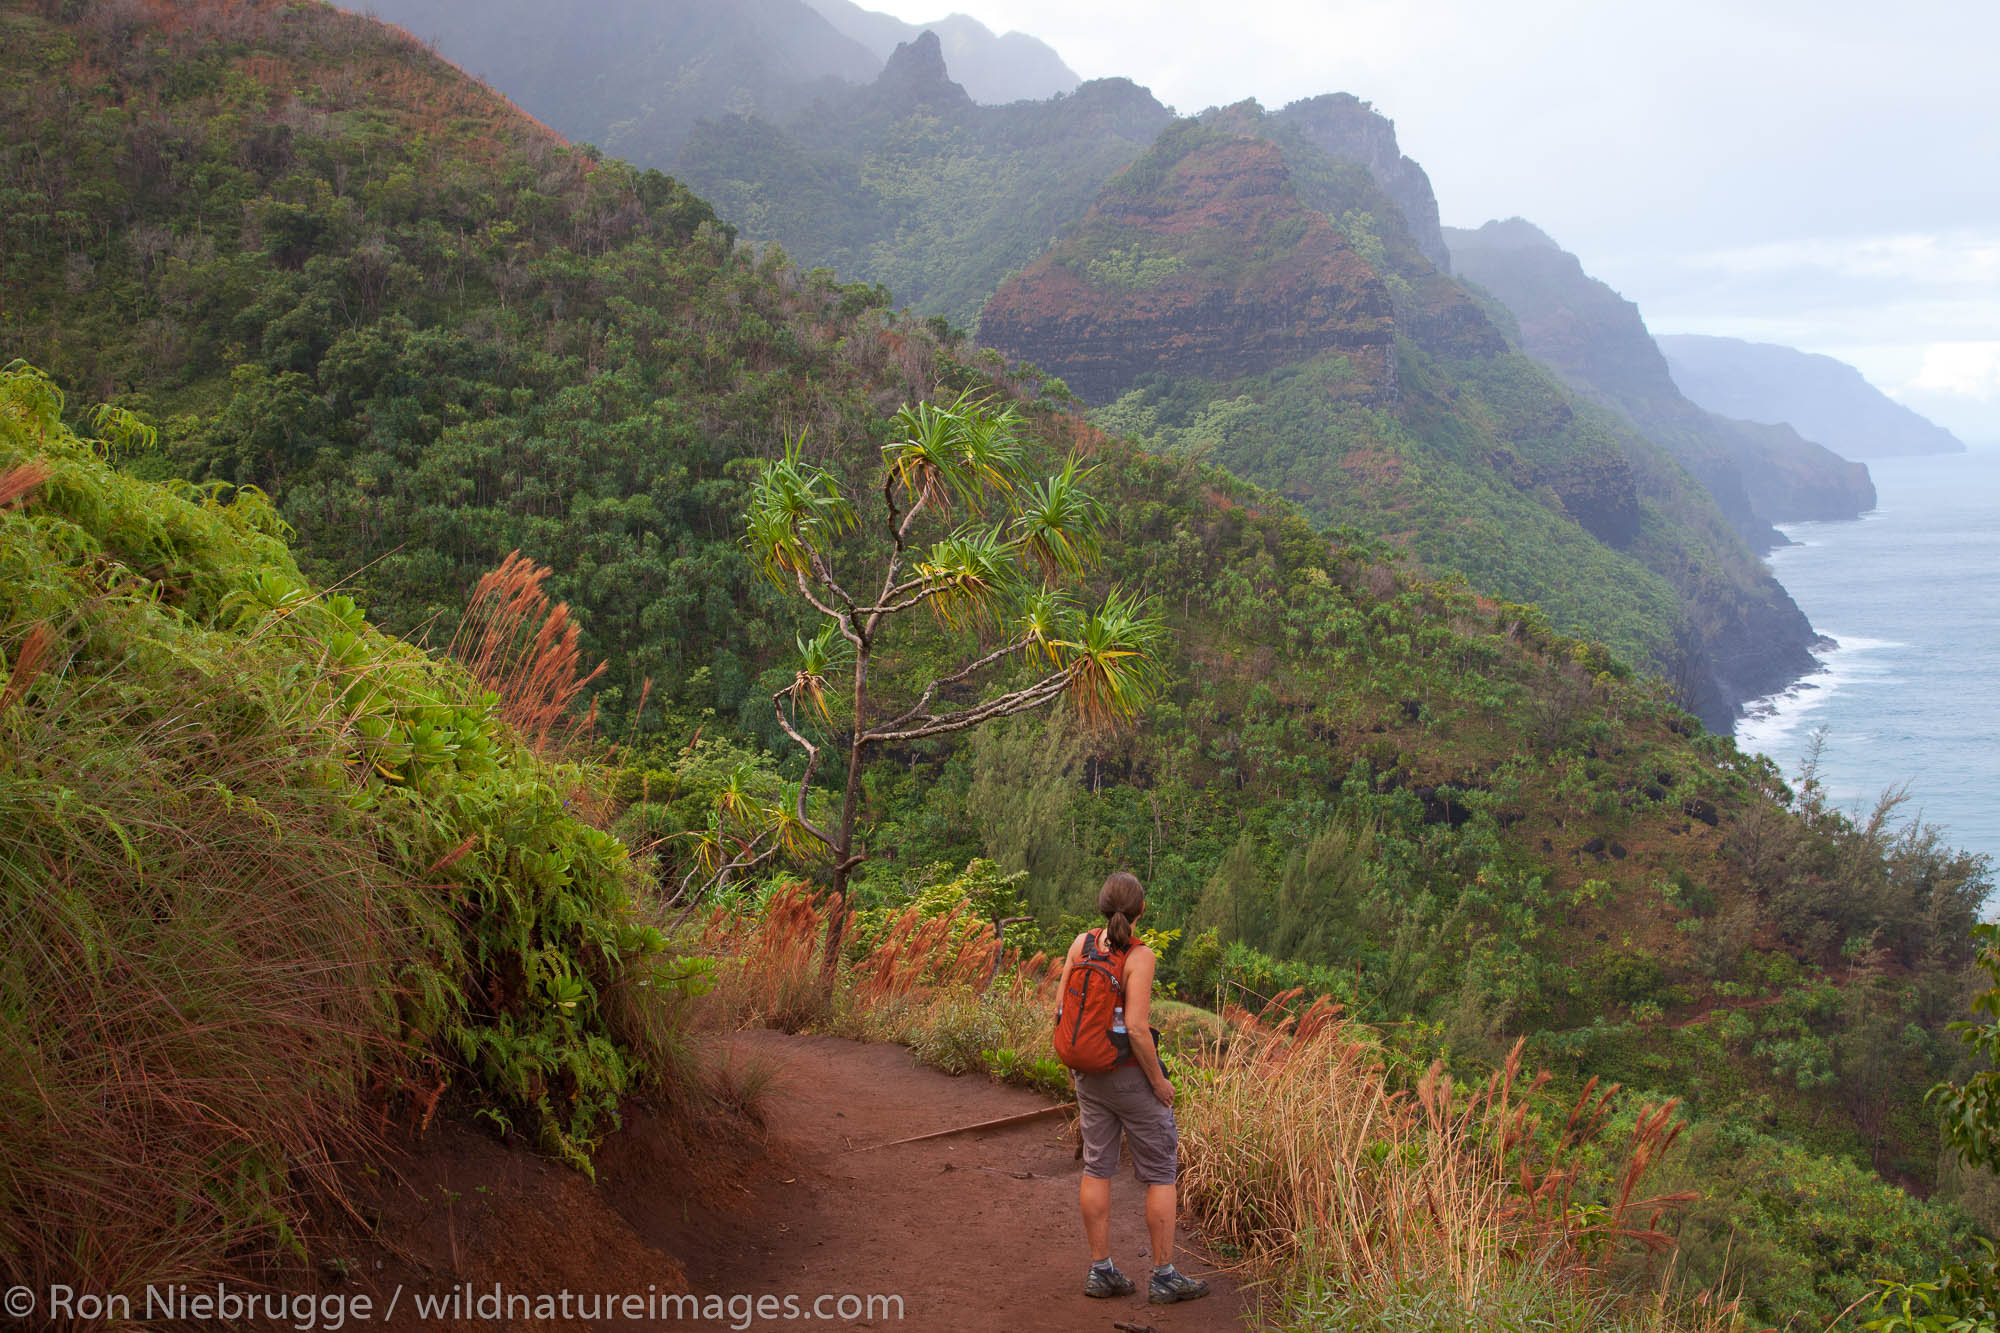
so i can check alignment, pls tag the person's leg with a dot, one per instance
(1094, 1195)
(1160, 1206)
(1098, 1126)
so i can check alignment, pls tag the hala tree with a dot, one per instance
(959, 532)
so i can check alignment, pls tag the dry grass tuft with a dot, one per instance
(525, 650)
(20, 481)
(768, 969)
(29, 657)
(1303, 1155)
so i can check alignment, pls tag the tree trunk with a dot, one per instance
(850, 807)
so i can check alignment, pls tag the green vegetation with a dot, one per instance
(332, 269)
(1007, 578)
(1364, 467)
(259, 865)
(936, 199)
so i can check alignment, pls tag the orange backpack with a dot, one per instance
(1084, 1015)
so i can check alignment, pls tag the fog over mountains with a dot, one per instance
(1824, 399)
(1012, 67)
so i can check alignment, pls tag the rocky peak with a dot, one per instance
(915, 76)
(1348, 129)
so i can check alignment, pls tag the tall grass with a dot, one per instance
(262, 866)
(1354, 1193)
(527, 652)
(199, 985)
(920, 980)
(1345, 1190)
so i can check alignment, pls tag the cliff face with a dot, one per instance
(1349, 130)
(1823, 399)
(1598, 342)
(914, 77)
(1793, 479)
(1198, 261)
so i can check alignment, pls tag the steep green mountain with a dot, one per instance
(1597, 341)
(908, 183)
(1011, 67)
(1823, 399)
(1260, 305)
(633, 76)
(335, 269)
(1347, 129)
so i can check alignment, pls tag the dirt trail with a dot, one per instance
(977, 1232)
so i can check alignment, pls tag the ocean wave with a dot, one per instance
(1773, 723)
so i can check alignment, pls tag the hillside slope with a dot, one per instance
(340, 271)
(1823, 399)
(1262, 307)
(265, 870)
(1598, 342)
(633, 76)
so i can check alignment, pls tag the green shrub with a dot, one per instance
(256, 858)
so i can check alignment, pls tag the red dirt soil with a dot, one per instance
(977, 1233)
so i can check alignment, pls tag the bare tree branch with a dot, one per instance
(901, 533)
(1004, 705)
(923, 702)
(841, 619)
(741, 863)
(824, 572)
(805, 780)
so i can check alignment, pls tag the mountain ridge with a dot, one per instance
(1821, 397)
(1598, 342)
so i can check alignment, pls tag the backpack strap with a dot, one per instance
(1097, 949)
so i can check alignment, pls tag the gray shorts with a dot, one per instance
(1122, 1103)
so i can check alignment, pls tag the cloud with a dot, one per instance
(1965, 257)
(1966, 369)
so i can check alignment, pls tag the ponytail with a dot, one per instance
(1120, 900)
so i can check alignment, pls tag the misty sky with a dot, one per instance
(1823, 174)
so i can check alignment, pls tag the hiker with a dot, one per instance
(1121, 1090)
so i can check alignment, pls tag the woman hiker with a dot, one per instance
(1126, 1094)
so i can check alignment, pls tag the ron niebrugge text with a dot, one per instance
(328, 1312)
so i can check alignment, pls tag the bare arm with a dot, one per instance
(1138, 1021)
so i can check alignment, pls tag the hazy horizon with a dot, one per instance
(1813, 175)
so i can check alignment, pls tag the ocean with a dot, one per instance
(1911, 592)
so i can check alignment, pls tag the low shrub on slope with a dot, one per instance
(260, 863)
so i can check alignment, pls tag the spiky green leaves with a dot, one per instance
(1113, 660)
(967, 574)
(1055, 523)
(796, 511)
(818, 656)
(960, 454)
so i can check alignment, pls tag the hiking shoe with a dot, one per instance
(1104, 1283)
(1169, 1287)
